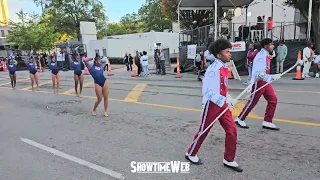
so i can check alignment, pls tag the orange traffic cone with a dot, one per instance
(86, 71)
(109, 69)
(230, 71)
(178, 68)
(5, 69)
(134, 69)
(40, 67)
(298, 71)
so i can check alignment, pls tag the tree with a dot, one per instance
(152, 17)
(169, 9)
(131, 23)
(32, 32)
(66, 15)
(303, 6)
(116, 29)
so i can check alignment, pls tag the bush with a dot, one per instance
(116, 60)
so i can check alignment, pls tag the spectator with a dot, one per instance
(162, 63)
(104, 61)
(316, 65)
(206, 56)
(270, 27)
(282, 52)
(253, 51)
(307, 57)
(130, 62)
(145, 62)
(199, 64)
(126, 61)
(138, 64)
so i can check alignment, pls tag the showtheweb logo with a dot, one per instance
(160, 167)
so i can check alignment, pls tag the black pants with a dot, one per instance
(316, 69)
(163, 67)
(139, 68)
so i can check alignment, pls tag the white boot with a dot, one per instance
(317, 75)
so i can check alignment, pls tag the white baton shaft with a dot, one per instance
(225, 110)
(271, 81)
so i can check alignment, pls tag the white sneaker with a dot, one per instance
(317, 75)
(232, 165)
(193, 159)
(241, 123)
(268, 125)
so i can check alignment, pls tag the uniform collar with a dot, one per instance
(219, 61)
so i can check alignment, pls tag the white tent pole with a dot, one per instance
(309, 20)
(215, 19)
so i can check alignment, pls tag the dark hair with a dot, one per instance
(309, 44)
(265, 42)
(96, 59)
(281, 41)
(144, 53)
(257, 46)
(218, 46)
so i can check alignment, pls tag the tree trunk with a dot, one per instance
(316, 25)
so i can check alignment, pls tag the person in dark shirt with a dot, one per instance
(130, 62)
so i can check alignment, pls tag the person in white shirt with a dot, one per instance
(208, 58)
(215, 100)
(145, 62)
(307, 57)
(316, 66)
(104, 61)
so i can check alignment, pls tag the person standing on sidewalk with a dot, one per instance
(145, 63)
(138, 64)
(282, 51)
(162, 63)
(316, 66)
(307, 57)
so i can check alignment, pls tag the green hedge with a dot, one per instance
(119, 60)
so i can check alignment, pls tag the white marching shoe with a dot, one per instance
(241, 123)
(317, 75)
(271, 126)
(193, 159)
(232, 165)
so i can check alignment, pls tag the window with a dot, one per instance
(104, 52)
(97, 52)
(2, 33)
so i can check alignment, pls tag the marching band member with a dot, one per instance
(215, 100)
(55, 75)
(33, 72)
(101, 84)
(261, 70)
(11, 64)
(78, 75)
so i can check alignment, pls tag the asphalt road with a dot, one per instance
(151, 119)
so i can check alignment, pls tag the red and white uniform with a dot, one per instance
(261, 66)
(215, 93)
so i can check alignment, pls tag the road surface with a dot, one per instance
(151, 119)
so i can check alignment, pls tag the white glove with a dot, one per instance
(276, 77)
(300, 62)
(231, 102)
(260, 76)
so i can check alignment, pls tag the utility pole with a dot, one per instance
(309, 20)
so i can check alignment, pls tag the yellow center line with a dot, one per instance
(252, 115)
(41, 84)
(135, 93)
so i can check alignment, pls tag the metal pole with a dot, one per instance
(246, 15)
(309, 20)
(215, 19)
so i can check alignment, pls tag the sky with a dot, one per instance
(115, 9)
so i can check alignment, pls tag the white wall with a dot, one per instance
(131, 42)
(89, 33)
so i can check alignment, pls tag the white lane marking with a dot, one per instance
(74, 159)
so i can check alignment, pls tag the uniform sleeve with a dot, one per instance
(259, 69)
(211, 87)
(88, 63)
